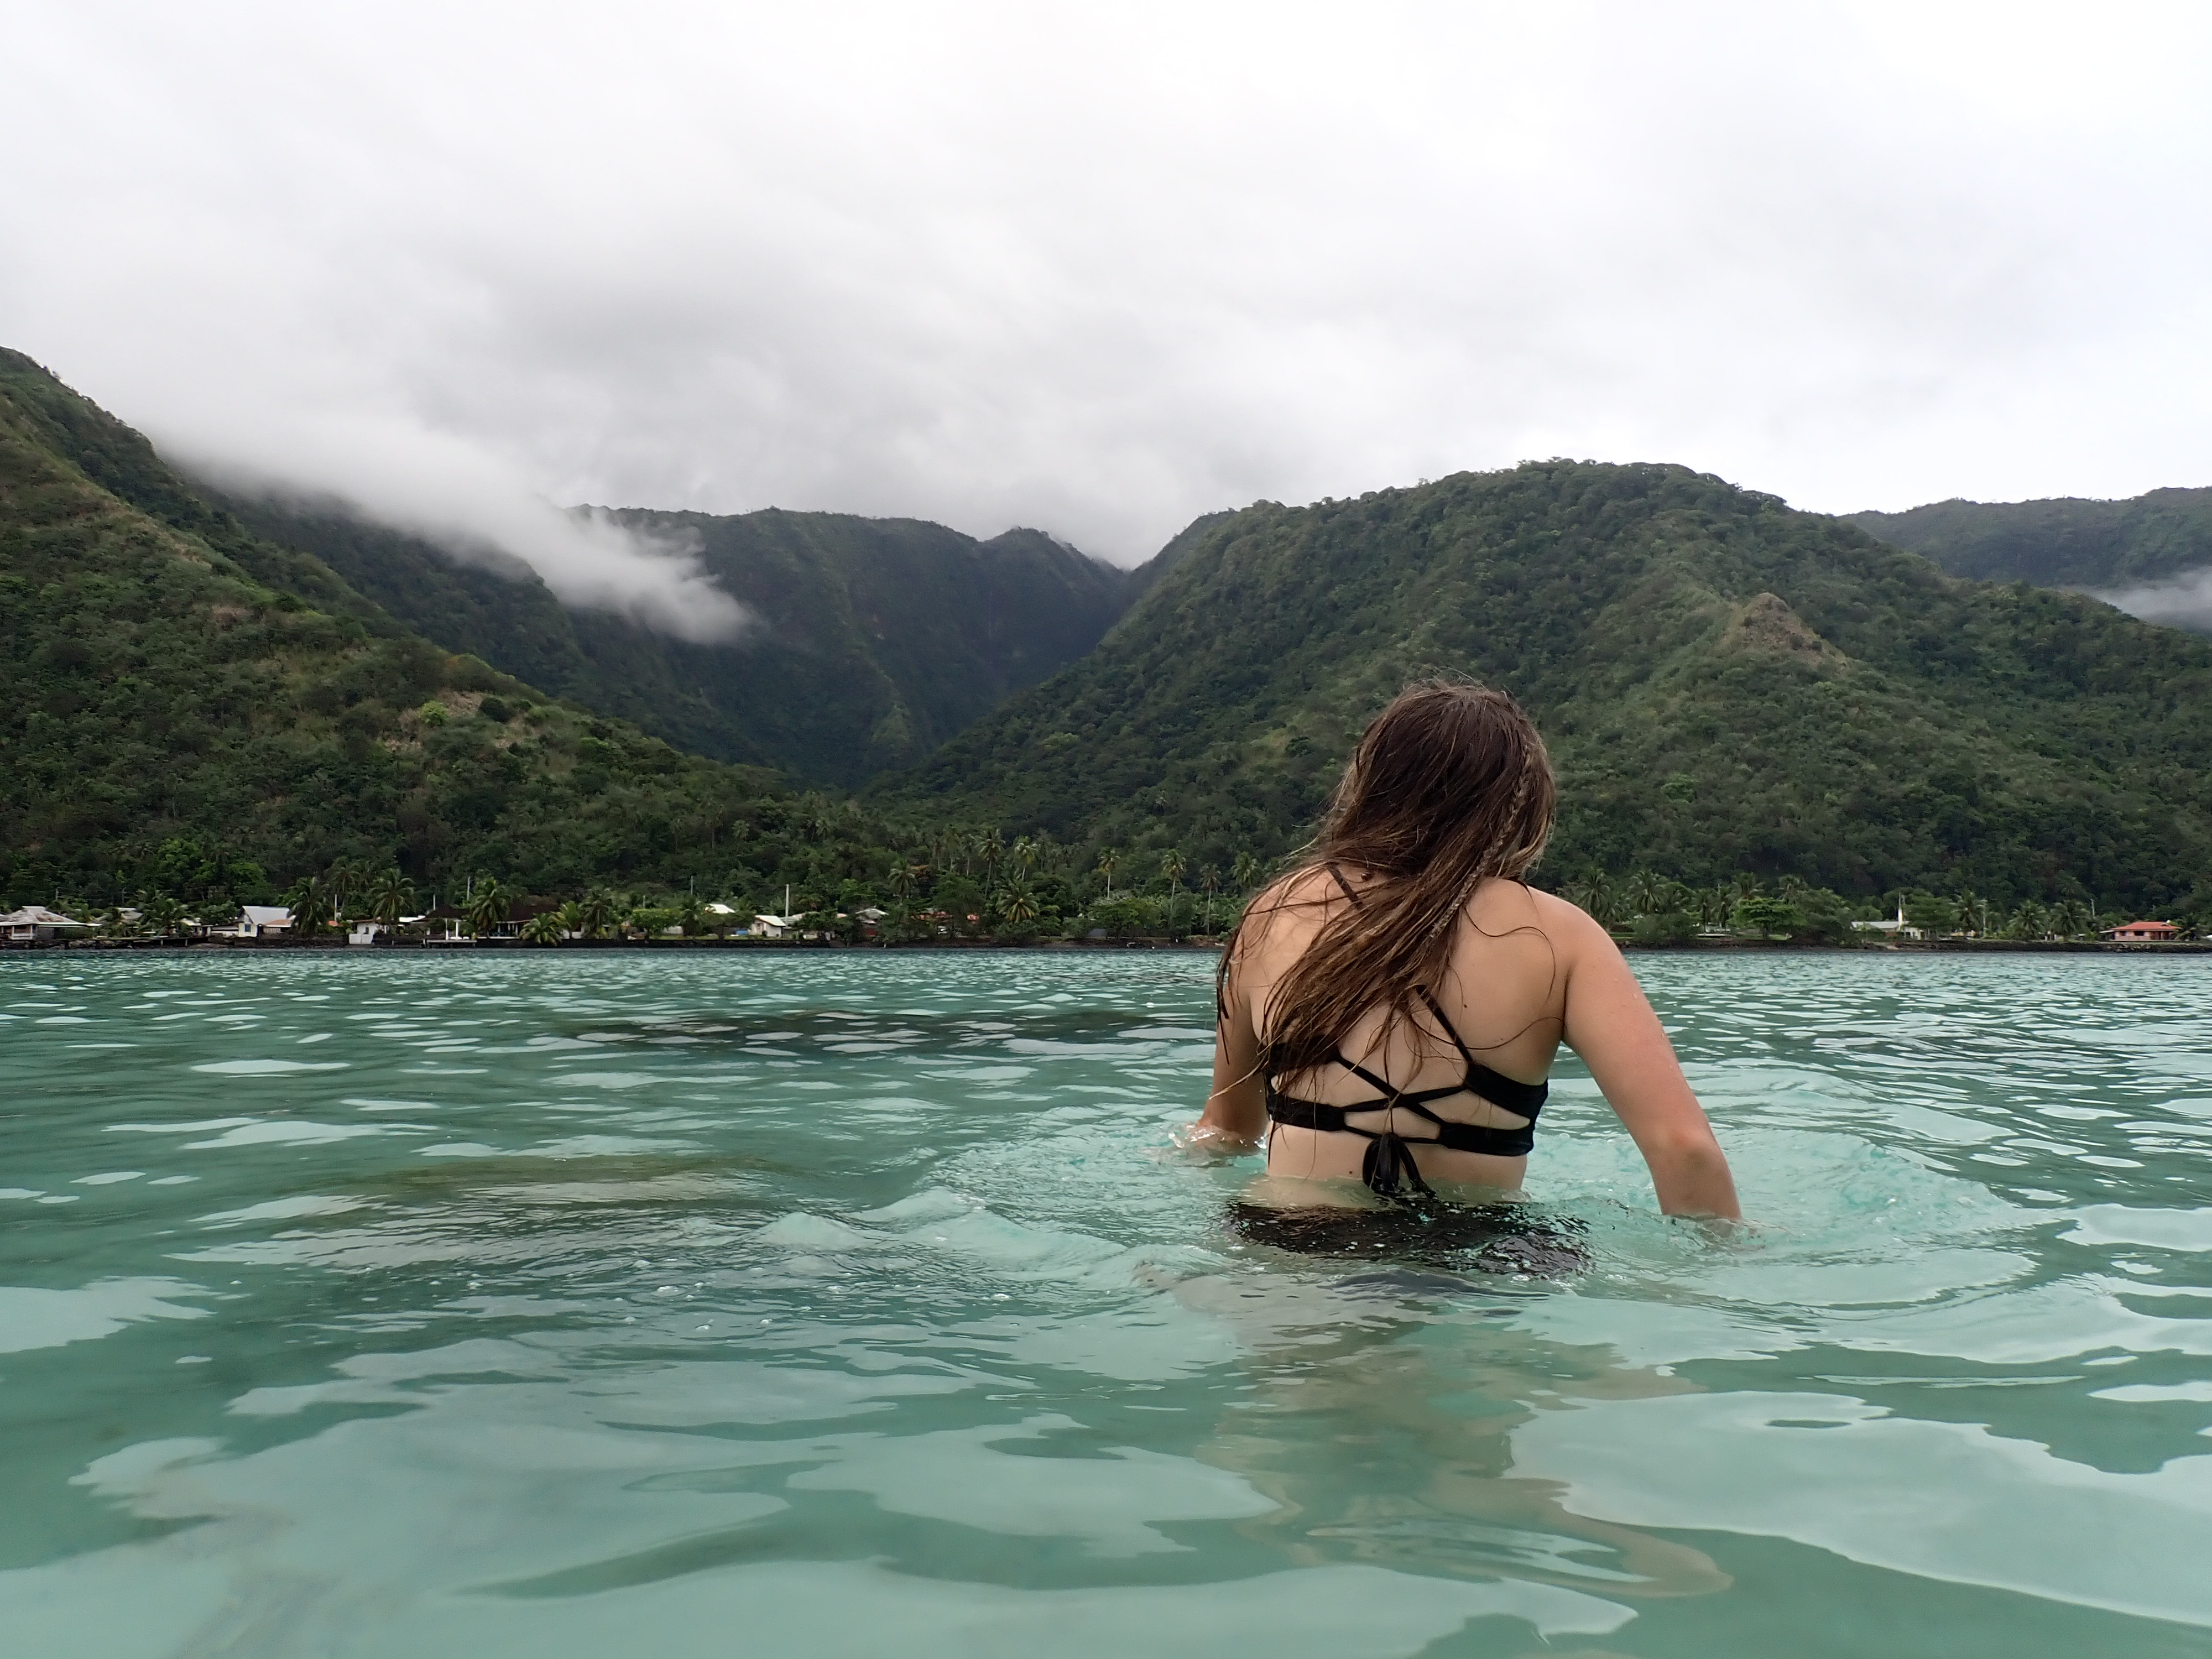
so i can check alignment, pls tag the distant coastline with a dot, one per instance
(339, 946)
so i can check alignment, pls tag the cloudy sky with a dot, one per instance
(1101, 268)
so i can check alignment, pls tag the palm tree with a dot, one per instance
(2071, 918)
(691, 916)
(388, 897)
(596, 914)
(488, 903)
(309, 901)
(1026, 852)
(543, 928)
(1209, 878)
(1018, 904)
(345, 880)
(1172, 864)
(1790, 886)
(1107, 860)
(159, 914)
(1245, 870)
(1742, 885)
(1645, 892)
(571, 917)
(991, 847)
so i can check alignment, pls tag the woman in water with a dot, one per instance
(1388, 1010)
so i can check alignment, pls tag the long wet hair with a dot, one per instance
(1449, 786)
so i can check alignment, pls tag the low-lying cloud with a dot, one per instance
(1100, 269)
(478, 512)
(2182, 601)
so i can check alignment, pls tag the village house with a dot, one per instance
(34, 923)
(2143, 932)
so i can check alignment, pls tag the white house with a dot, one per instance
(34, 923)
(774, 927)
(263, 921)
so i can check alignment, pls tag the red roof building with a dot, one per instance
(2143, 932)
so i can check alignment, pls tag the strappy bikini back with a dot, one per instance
(1388, 1167)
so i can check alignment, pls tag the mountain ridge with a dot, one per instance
(1921, 731)
(877, 638)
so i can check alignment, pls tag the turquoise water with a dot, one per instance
(848, 1304)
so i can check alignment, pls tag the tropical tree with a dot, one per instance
(1172, 865)
(596, 914)
(2070, 917)
(2030, 921)
(571, 917)
(159, 914)
(345, 880)
(1026, 853)
(1645, 893)
(1108, 861)
(691, 916)
(488, 903)
(990, 848)
(1018, 904)
(388, 897)
(543, 928)
(1766, 916)
(1209, 879)
(1245, 871)
(309, 902)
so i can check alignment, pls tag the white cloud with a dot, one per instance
(1101, 269)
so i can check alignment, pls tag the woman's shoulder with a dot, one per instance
(1514, 904)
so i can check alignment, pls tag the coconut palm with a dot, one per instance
(1108, 860)
(488, 903)
(1646, 890)
(345, 880)
(596, 914)
(159, 914)
(1026, 853)
(543, 928)
(1172, 865)
(309, 902)
(691, 916)
(2071, 918)
(1018, 904)
(990, 848)
(1245, 871)
(388, 897)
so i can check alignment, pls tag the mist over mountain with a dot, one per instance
(2150, 554)
(1727, 684)
(873, 641)
(190, 706)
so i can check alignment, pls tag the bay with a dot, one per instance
(823, 1302)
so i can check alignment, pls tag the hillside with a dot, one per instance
(880, 638)
(2062, 542)
(178, 694)
(1726, 685)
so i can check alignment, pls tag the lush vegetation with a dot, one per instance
(2064, 542)
(189, 712)
(1727, 686)
(879, 638)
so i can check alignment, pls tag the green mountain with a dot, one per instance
(2064, 542)
(184, 703)
(878, 638)
(1726, 685)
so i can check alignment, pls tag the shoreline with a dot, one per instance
(1205, 947)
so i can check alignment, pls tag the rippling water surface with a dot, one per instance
(851, 1304)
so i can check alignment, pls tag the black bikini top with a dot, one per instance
(1389, 1159)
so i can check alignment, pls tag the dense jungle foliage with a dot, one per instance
(1728, 687)
(878, 638)
(189, 710)
(2062, 542)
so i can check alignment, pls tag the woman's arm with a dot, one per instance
(1611, 1025)
(1236, 1114)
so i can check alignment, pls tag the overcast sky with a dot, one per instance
(1099, 269)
